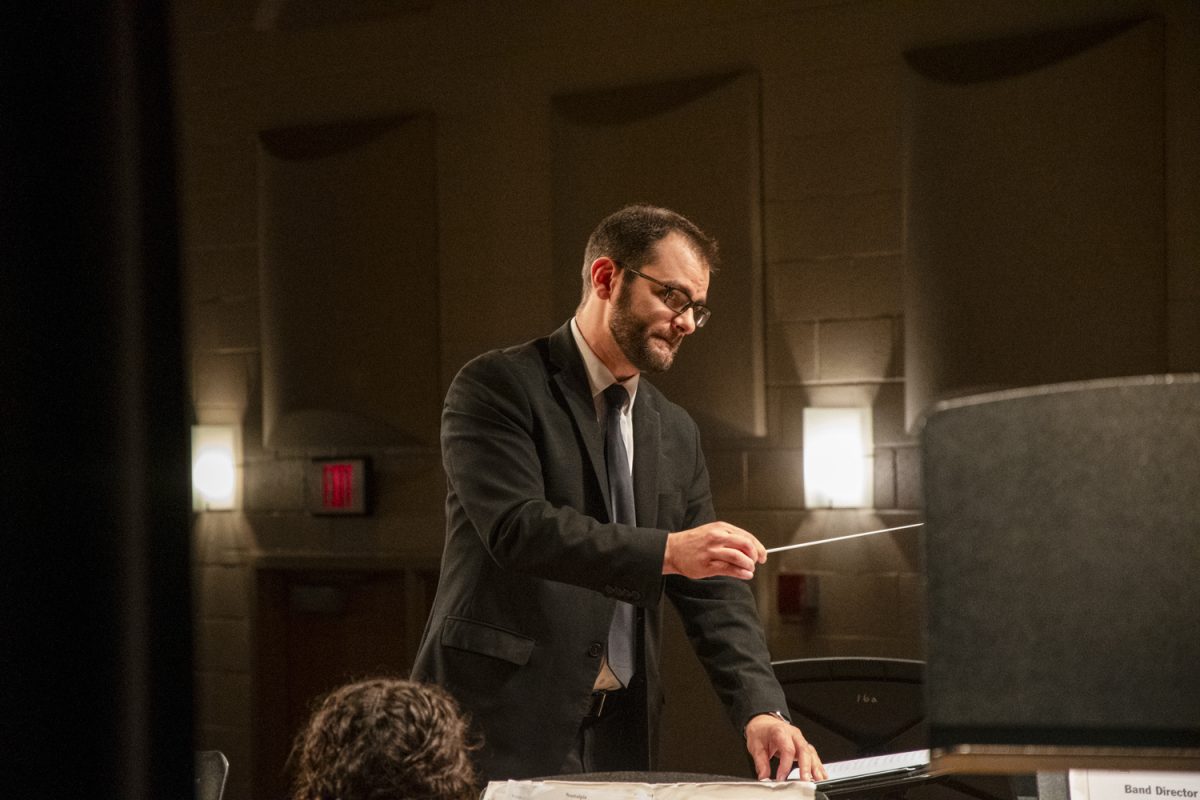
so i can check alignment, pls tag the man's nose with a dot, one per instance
(686, 321)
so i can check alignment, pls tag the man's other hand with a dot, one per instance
(768, 736)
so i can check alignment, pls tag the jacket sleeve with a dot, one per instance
(721, 620)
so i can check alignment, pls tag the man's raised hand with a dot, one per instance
(717, 548)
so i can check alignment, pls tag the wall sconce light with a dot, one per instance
(214, 467)
(838, 458)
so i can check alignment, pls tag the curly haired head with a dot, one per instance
(385, 739)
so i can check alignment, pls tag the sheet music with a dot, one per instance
(911, 760)
(587, 790)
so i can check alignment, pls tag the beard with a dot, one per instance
(647, 351)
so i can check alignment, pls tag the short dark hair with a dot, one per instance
(385, 739)
(629, 236)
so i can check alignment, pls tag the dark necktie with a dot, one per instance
(621, 647)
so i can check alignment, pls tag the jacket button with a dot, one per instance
(595, 650)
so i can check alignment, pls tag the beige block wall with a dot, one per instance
(832, 211)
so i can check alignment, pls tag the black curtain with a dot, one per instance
(94, 500)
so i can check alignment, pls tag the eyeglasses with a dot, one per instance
(675, 298)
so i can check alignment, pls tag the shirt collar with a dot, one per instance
(600, 377)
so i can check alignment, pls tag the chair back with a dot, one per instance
(211, 770)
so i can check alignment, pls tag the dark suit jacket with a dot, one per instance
(532, 565)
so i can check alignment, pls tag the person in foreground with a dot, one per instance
(385, 739)
(578, 498)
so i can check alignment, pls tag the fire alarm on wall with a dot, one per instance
(797, 595)
(337, 486)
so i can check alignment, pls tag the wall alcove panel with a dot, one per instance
(349, 285)
(693, 146)
(1035, 214)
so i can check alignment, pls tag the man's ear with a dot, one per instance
(604, 277)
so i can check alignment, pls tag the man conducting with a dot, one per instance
(577, 498)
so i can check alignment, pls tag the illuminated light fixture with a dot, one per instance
(838, 458)
(214, 467)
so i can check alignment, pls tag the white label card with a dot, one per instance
(1104, 784)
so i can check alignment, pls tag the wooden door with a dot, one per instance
(318, 629)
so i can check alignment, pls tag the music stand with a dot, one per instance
(857, 707)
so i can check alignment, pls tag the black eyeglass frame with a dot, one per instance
(700, 312)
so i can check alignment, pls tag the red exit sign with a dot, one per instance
(337, 486)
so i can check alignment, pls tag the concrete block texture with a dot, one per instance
(885, 477)
(833, 226)
(220, 538)
(892, 553)
(833, 288)
(222, 645)
(1183, 330)
(806, 103)
(223, 592)
(792, 353)
(775, 478)
(909, 492)
(224, 325)
(833, 163)
(275, 485)
(214, 273)
(224, 698)
(859, 349)
(727, 477)
(222, 380)
(221, 219)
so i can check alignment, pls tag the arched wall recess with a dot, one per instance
(349, 285)
(1035, 213)
(692, 145)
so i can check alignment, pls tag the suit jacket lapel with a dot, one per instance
(646, 447)
(571, 377)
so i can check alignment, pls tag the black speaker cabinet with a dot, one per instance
(1062, 553)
